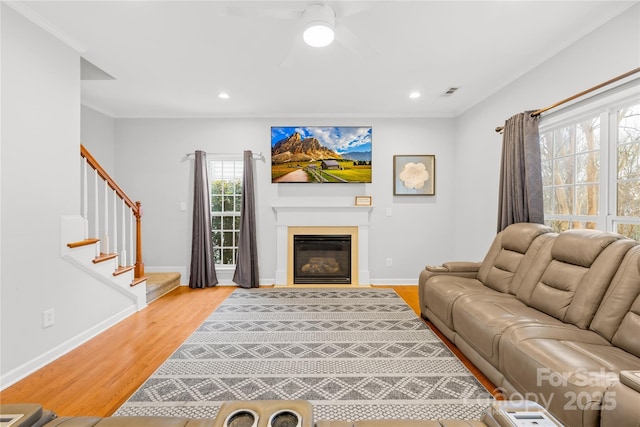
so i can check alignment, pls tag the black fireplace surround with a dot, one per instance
(321, 259)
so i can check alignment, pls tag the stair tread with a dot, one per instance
(123, 269)
(81, 243)
(159, 284)
(138, 280)
(104, 257)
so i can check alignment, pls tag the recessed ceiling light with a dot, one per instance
(414, 95)
(223, 95)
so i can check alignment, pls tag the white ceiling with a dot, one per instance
(172, 58)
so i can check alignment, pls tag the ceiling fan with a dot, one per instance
(318, 25)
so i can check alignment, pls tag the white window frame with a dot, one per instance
(605, 104)
(238, 174)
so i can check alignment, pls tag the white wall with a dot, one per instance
(98, 135)
(609, 51)
(40, 183)
(39, 180)
(459, 223)
(151, 165)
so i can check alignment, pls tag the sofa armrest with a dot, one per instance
(497, 415)
(402, 423)
(31, 414)
(462, 266)
(631, 379)
(454, 268)
(459, 269)
(620, 407)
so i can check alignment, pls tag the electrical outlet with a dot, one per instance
(389, 262)
(48, 318)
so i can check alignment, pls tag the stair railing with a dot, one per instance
(97, 216)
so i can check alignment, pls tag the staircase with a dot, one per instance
(159, 284)
(104, 267)
(108, 256)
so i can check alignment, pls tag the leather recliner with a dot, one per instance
(497, 415)
(549, 317)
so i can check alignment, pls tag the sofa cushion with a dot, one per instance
(581, 246)
(567, 366)
(504, 258)
(502, 270)
(441, 292)
(572, 286)
(618, 317)
(518, 237)
(628, 334)
(481, 319)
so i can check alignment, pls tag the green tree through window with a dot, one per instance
(591, 167)
(226, 204)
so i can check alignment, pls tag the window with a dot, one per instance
(627, 196)
(591, 164)
(226, 204)
(570, 174)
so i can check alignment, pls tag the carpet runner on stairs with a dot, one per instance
(158, 284)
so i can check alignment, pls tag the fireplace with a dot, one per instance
(321, 259)
(322, 219)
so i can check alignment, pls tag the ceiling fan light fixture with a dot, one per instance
(320, 21)
(318, 35)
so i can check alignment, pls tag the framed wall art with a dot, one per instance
(414, 175)
(316, 154)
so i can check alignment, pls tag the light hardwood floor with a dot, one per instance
(100, 375)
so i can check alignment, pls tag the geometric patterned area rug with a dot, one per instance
(353, 353)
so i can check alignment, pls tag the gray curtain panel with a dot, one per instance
(202, 271)
(246, 274)
(520, 198)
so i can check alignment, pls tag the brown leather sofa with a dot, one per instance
(234, 414)
(550, 317)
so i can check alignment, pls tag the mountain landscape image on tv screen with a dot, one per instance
(319, 154)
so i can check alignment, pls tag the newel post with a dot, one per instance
(139, 267)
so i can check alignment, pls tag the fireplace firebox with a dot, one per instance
(321, 259)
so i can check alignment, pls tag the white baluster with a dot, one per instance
(96, 212)
(105, 241)
(85, 197)
(123, 253)
(115, 223)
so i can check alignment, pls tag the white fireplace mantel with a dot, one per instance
(321, 216)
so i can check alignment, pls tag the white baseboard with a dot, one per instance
(225, 277)
(44, 359)
(395, 282)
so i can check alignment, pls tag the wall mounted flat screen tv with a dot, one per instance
(317, 154)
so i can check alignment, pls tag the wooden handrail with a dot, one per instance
(136, 207)
(499, 129)
(104, 175)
